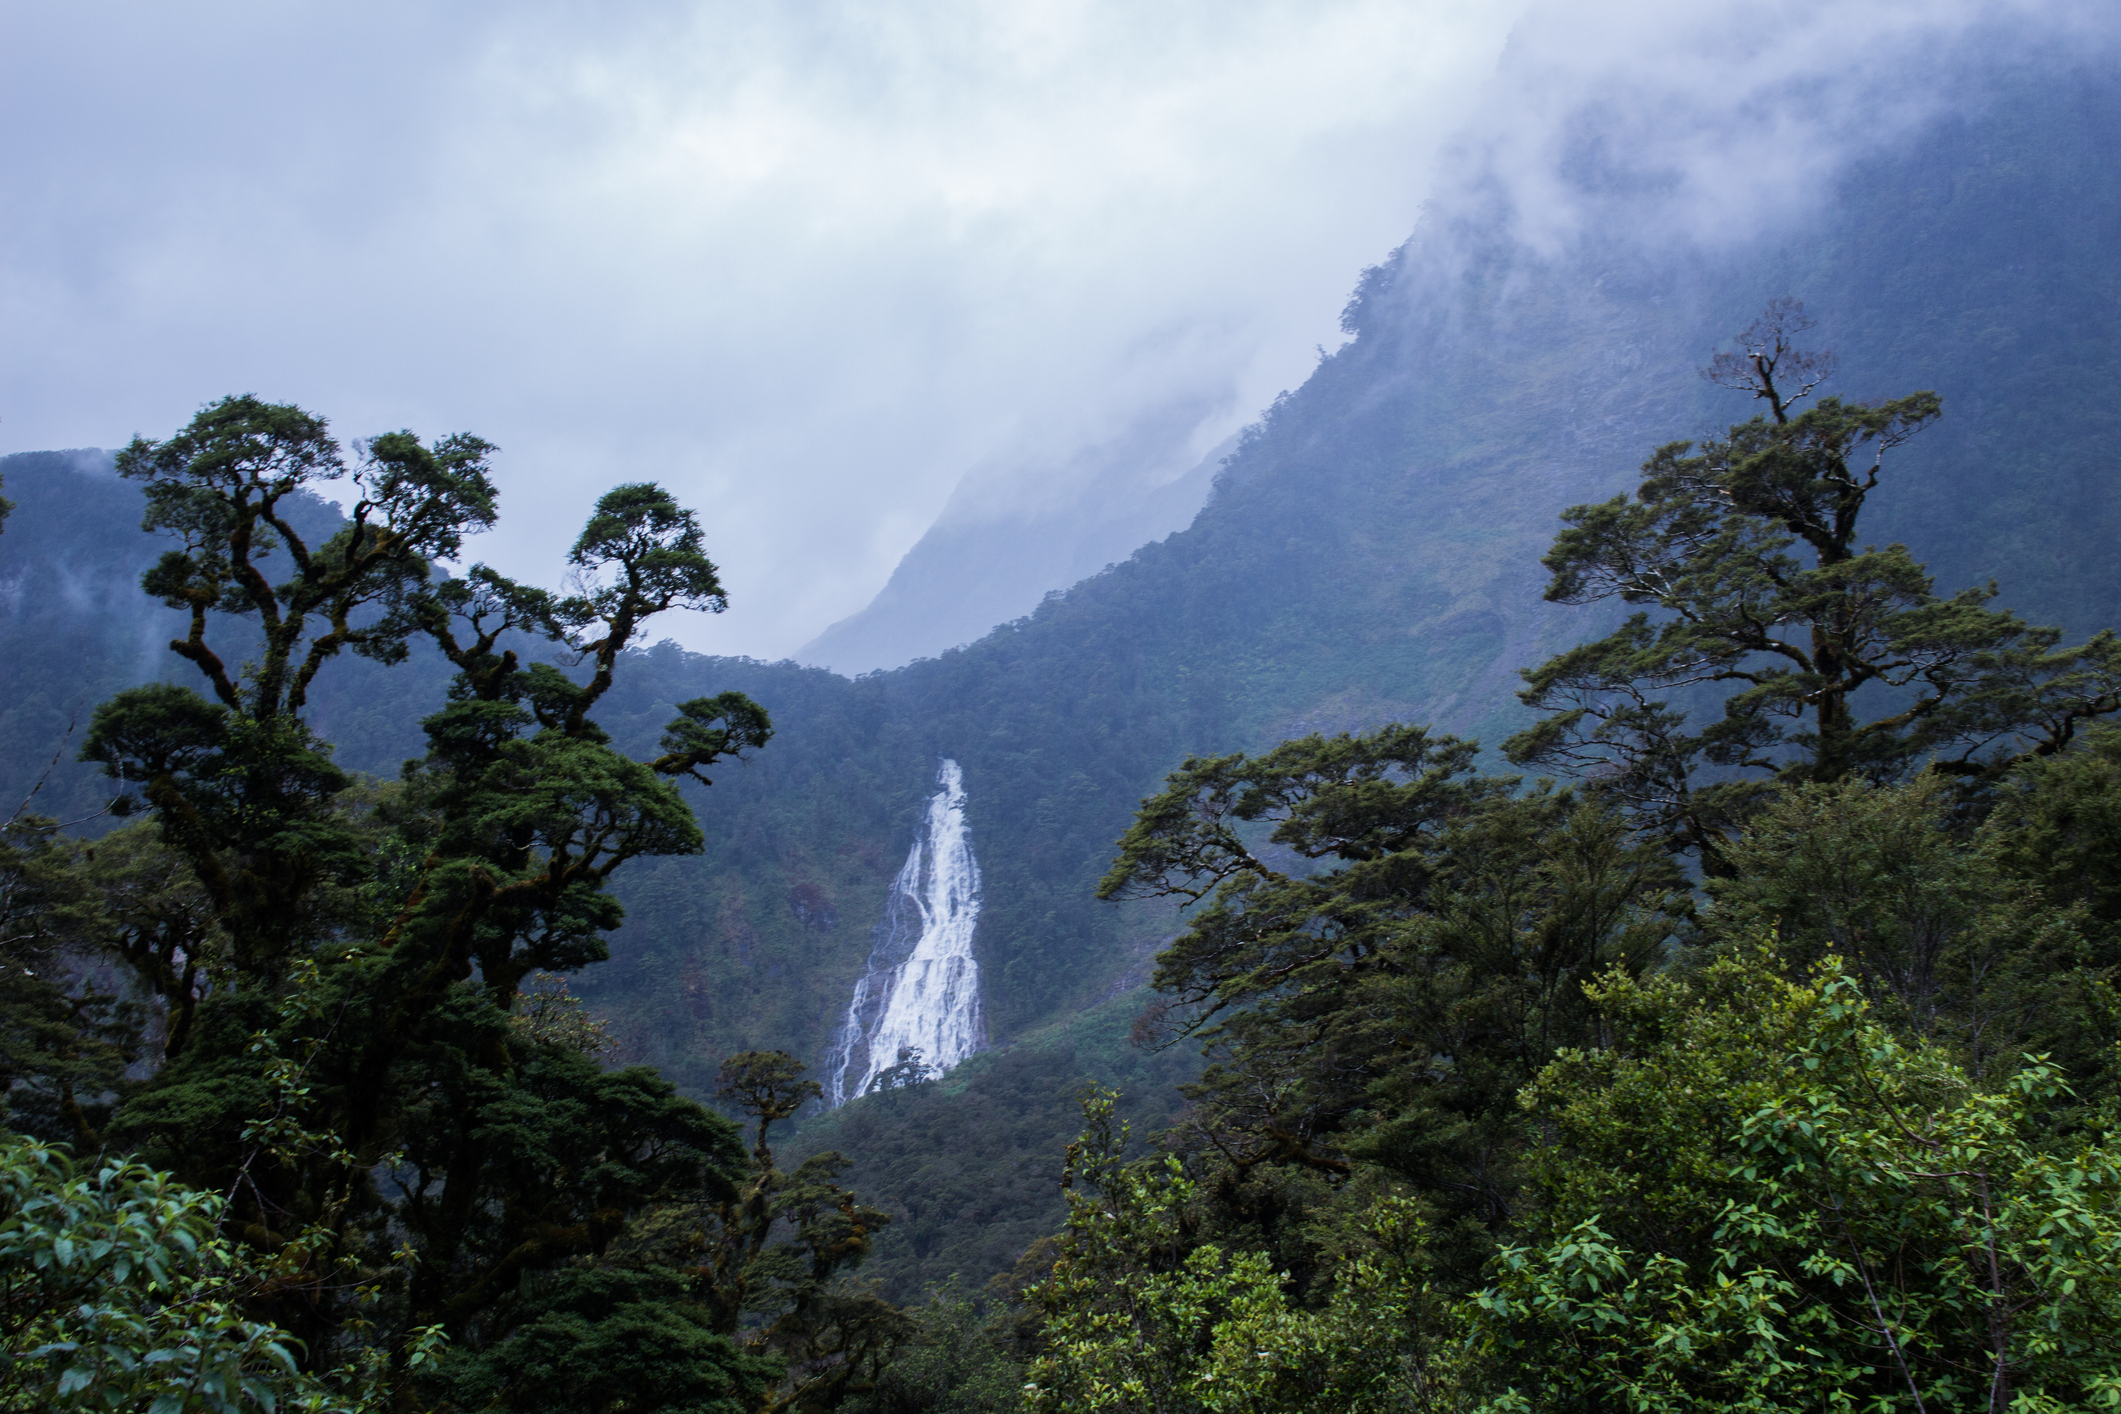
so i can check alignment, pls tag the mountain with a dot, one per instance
(988, 559)
(1370, 552)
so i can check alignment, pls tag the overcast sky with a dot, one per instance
(809, 262)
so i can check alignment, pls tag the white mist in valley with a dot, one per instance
(920, 991)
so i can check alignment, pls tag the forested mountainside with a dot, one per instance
(1370, 554)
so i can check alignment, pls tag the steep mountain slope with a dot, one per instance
(74, 627)
(980, 563)
(1371, 553)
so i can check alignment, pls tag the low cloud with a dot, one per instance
(812, 263)
(808, 263)
(1674, 124)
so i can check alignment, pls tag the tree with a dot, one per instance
(834, 1338)
(2056, 822)
(67, 1038)
(107, 945)
(342, 1057)
(762, 1263)
(1831, 658)
(1957, 937)
(2054, 831)
(956, 1362)
(908, 1071)
(1385, 947)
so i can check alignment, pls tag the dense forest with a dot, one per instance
(1682, 978)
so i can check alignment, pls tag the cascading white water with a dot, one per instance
(921, 988)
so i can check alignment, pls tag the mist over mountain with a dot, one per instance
(806, 265)
(1370, 553)
(997, 549)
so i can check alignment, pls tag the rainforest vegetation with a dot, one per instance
(1769, 1065)
(328, 1013)
(1758, 1053)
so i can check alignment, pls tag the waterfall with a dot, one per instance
(921, 988)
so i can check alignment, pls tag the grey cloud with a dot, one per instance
(843, 273)
(807, 263)
(1676, 131)
(1691, 126)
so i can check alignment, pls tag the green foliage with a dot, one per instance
(65, 1041)
(1711, 1178)
(758, 1269)
(1388, 1007)
(1363, 561)
(2056, 822)
(1970, 936)
(1137, 1317)
(612, 1338)
(955, 1362)
(1761, 1198)
(738, 1301)
(1748, 1192)
(967, 1166)
(1933, 928)
(351, 1050)
(549, 1013)
(118, 1291)
(833, 1338)
(219, 486)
